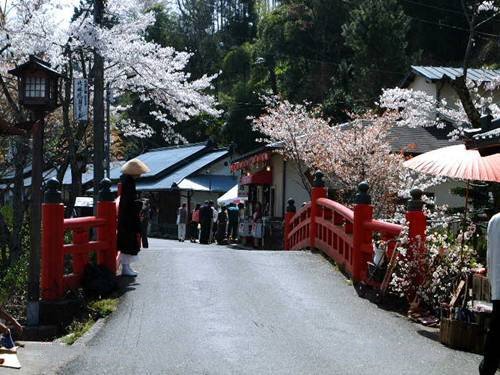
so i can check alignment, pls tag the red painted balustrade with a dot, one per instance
(63, 264)
(344, 234)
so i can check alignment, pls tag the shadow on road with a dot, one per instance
(433, 335)
(126, 284)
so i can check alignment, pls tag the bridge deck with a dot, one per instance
(210, 310)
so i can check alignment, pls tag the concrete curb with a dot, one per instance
(91, 333)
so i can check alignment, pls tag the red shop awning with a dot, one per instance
(258, 178)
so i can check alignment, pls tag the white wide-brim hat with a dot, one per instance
(135, 167)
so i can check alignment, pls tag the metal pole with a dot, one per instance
(98, 108)
(36, 221)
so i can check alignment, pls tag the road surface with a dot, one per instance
(211, 310)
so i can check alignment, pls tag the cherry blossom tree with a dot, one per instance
(417, 108)
(296, 131)
(347, 153)
(132, 64)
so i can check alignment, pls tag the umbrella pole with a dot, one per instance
(464, 223)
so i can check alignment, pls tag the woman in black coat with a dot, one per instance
(129, 223)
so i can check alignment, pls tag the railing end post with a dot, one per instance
(415, 203)
(319, 179)
(105, 194)
(52, 193)
(362, 197)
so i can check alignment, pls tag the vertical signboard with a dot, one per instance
(81, 99)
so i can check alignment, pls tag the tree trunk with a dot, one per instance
(460, 87)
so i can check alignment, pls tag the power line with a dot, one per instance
(435, 7)
(479, 33)
(446, 10)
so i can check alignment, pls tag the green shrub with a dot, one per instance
(76, 330)
(14, 281)
(104, 307)
(94, 310)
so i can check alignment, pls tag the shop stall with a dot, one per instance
(266, 181)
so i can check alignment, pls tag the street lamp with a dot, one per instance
(38, 86)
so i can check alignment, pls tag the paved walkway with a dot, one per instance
(212, 310)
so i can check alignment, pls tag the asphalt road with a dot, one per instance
(212, 310)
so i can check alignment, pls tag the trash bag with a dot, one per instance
(98, 281)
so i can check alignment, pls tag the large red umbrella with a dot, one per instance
(457, 162)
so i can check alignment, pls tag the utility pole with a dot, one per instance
(108, 130)
(98, 106)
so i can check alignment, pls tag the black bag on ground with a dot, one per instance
(98, 281)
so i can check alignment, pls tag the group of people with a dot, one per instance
(207, 224)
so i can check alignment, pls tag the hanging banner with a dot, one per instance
(250, 161)
(81, 99)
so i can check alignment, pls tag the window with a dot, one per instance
(35, 87)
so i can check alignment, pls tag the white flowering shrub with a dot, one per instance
(432, 270)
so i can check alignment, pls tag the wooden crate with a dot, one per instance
(460, 335)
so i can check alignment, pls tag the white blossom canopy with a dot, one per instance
(132, 64)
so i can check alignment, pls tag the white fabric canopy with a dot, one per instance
(231, 196)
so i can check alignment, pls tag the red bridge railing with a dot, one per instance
(344, 234)
(58, 257)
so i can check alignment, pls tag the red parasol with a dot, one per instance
(457, 162)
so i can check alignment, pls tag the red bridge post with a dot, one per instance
(318, 191)
(417, 225)
(362, 251)
(416, 220)
(52, 261)
(290, 213)
(106, 209)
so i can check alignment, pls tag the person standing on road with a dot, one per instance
(205, 222)
(232, 228)
(182, 216)
(221, 226)
(213, 227)
(195, 220)
(491, 359)
(129, 223)
(144, 215)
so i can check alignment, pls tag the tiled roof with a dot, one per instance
(165, 183)
(418, 140)
(161, 159)
(436, 73)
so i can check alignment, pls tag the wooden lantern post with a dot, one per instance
(38, 92)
